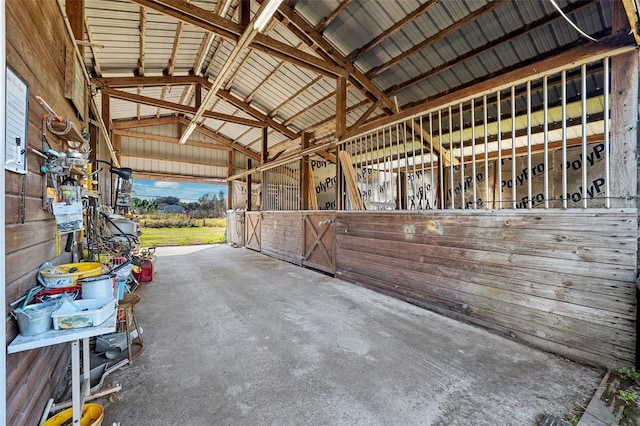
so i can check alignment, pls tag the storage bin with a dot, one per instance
(61, 276)
(83, 313)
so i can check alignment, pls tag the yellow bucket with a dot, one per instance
(61, 276)
(92, 415)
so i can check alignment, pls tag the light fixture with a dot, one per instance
(266, 14)
(122, 172)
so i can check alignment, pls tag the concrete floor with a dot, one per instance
(233, 337)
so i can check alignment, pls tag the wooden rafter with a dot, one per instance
(209, 21)
(253, 93)
(177, 177)
(226, 95)
(295, 95)
(421, 10)
(613, 45)
(363, 118)
(146, 100)
(475, 15)
(242, 64)
(94, 52)
(357, 78)
(143, 33)
(146, 81)
(145, 122)
(171, 65)
(223, 139)
(124, 82)
(631, 9)
(168, 139)
(324, 23)
(198, 162)
(492, 45)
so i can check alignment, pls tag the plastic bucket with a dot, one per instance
(66, 275)
(92, 415)
(35, 319)
(99, 287)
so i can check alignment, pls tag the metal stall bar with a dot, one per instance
(473, 154)
(545, 105)
(499, 163)
(607, 192)
(486, 151)
(432, 188)
(513, 148)
(462, 176)
(564, 138)
(453, 201)
(440, 162)
(422, 192)
(583, 72)
(529, 170)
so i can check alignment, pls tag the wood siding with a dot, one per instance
(563, 281)
(36, 48)
(281, 234)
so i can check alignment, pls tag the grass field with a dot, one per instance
(211, 233)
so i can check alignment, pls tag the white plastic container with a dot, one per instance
(83, 313)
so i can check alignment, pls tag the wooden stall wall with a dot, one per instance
(561, 280)
(36, 47)
(281, 235)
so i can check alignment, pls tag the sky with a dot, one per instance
(185, 191)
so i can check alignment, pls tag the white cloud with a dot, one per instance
(166, 185)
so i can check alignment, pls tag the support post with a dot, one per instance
(624, 119)
(304, 174)
(264, 155)
(230, 183)
(249, 185)
(341, 107)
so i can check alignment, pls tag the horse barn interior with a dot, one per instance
(477, 159)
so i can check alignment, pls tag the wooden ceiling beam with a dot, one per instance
(94, 51)
(630, 8)
(211, 22)
(295, 95)
(226, 95)
(176, 177)
(473, 16)
(145, 122)
(143, 33)
(146, 100)
(173, 160)
(125, 82)
(312, 38)
(507, 38)
(421, 10)
(168, 139)
(147, 81)
(326, 21)
(613, 45)
(222, 139)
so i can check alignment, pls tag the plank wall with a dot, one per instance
(36, 40)
(281, 234)
(560, 280)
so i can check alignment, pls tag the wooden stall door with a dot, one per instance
(318, 233)
(252, 230)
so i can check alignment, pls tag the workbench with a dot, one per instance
(72, 336)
